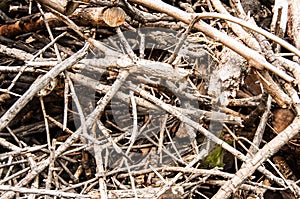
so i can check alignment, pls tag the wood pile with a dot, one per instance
(149, 99)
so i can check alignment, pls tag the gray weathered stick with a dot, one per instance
(38, 84)
(254, 58)
(75, 136)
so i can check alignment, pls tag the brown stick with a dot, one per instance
(98, 16)
(62, 6)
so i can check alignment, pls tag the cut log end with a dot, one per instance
(114, 16)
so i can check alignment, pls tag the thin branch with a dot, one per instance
(38, 84)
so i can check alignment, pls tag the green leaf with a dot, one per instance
(215, 157)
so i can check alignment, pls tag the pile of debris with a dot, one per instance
(149, 99)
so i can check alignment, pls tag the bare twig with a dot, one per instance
(38, 85)
(254, 59)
